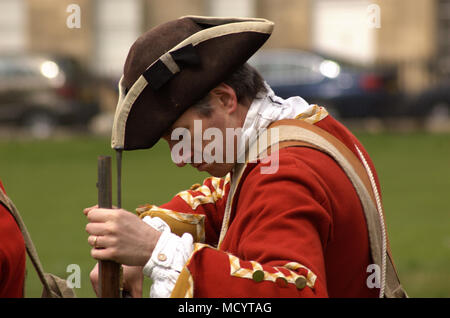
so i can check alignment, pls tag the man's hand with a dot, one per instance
(120, 236)
(132, 280)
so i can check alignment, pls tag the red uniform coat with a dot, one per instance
(300, 232)
(12, 255)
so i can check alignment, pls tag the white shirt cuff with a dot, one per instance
(168, 258)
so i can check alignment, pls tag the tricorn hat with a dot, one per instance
(174, 65)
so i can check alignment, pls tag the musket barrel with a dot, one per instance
(109, 271)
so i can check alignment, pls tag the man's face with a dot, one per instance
(203, 141)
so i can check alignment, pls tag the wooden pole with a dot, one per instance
(109, 271)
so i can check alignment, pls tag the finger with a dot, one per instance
(97, 229)
(133, 284)
(132, 292)
(94, 241)
(136, 293)
(100, 215)
(91, 240)
(94, 279)
(87, 210)
(101, 242)
(103, 254)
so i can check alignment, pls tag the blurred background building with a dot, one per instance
(363, 58)
(410, 36)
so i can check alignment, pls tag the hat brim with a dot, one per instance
(150, 108)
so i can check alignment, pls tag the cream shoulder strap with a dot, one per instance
(31, 250)
(297, 133)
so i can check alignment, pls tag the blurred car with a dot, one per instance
(42, 92)
(346, 90)
(432, 103)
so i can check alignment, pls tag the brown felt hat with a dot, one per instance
(174, 65)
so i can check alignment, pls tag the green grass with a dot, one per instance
(52, 181)
(414, 170)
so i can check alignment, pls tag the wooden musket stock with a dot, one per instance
(109, 271)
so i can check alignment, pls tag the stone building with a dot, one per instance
(408, 33)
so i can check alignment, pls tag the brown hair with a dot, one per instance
(246, 83)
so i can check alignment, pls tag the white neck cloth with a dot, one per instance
(267, 108)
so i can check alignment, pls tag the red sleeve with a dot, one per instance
(12, 256)
(206, 202)
(275, 241)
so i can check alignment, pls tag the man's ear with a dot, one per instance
(225, 96)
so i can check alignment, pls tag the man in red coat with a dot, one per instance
(12, 255)
(289, 224)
